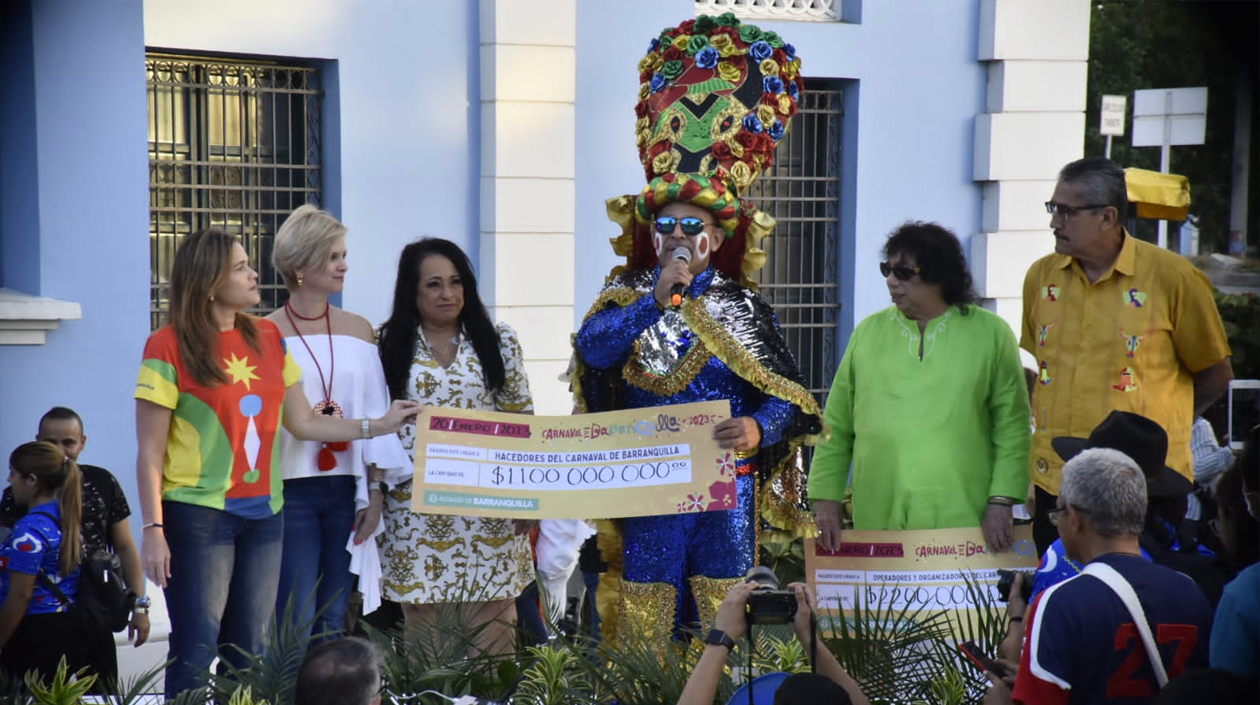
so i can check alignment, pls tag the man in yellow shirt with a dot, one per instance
(1115, 324)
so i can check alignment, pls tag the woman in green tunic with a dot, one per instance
(929, 405)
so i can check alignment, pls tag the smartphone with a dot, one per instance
(1244, 409)
(980, 660)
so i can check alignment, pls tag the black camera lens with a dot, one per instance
(763, 576)
(1006, 578)
(767, 604)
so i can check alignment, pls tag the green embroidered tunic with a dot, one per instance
(930, 438)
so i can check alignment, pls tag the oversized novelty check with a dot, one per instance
(640, 462)
(936, 570)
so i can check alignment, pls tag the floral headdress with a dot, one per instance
(714, 101)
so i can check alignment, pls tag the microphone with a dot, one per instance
(675, 293)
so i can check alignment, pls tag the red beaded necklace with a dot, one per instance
(326, 460)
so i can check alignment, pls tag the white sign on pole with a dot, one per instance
(1172, 116)
(1113, 107)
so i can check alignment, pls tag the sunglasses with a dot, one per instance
(1068, 211)
(690, 226)
(900, 271)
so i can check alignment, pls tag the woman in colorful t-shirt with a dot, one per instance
(39, 565)
(214, 388)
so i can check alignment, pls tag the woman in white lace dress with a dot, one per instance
(440, 348)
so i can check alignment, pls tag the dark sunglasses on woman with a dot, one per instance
(900, 271)
(690, 225)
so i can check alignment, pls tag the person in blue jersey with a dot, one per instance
(1082, 644)
(39, 565)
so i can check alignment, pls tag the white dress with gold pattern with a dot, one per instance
(430, 558)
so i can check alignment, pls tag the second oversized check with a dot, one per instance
(638, 462)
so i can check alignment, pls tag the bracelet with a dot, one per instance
(1002, 501)
(366, 428)
(151, 525)
(1019, 618)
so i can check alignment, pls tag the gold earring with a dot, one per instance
(299, 278)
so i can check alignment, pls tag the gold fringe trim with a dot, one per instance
(608, 596)
(677, 380)
(735, 356)
(622, 296)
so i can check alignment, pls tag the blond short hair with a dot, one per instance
(304, 241)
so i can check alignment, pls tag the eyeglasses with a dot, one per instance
(1054, 514)
(384, 685)
(690, 225)
(900, 271)
(1068, 211)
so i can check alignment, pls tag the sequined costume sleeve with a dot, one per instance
(606, 338)
(773, 417)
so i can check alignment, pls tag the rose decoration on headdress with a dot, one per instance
(715, 97)
(704, 83)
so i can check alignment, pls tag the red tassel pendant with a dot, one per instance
(338, 446)
(327, 461)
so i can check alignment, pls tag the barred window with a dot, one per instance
(233, 144)
(802, 192)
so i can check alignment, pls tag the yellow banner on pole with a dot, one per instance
(638, 462)
(913, 570)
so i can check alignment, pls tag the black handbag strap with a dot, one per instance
(42, 578)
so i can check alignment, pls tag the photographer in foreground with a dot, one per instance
(1081, 644)
(831, 684)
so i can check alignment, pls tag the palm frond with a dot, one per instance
(133, 691)
(64, 688)
(894, 653)
(270, 676)
(555, 677)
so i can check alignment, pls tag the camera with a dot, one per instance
(767, 604)
(1006, 578)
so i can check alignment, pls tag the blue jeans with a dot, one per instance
(222, 590)
(315, 570)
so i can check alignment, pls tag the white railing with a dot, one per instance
(798, 10)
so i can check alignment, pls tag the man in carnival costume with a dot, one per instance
(716, 96)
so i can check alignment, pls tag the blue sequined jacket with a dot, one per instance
(722, 343)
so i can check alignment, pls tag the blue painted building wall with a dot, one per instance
(401, 158)
(84, 175)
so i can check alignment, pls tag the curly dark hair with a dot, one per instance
(939, 255)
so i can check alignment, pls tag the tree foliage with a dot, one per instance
(1140, 44)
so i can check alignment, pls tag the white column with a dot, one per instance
(1037, 52)
(528, 87)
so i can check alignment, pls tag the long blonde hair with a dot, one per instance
(201, 264)
(56, 473)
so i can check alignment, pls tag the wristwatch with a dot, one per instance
(717, 637)
(141, 605)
